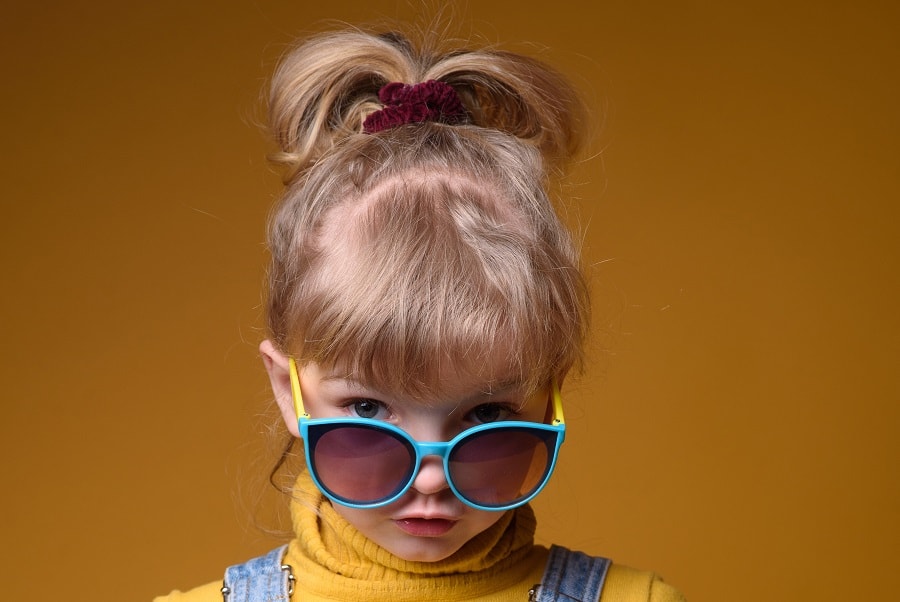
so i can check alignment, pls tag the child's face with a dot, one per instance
(428, 523)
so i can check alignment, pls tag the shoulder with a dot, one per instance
(211, 592)
(625, 584)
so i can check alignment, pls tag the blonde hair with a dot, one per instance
(425, 247)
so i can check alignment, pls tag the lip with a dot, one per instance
(425, 527)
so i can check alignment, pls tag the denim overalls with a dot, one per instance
(569, 577)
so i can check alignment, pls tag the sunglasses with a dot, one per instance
(367, 463)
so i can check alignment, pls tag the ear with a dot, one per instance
(276, 364)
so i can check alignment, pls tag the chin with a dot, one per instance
(423, 551)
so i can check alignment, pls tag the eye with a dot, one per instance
(490, 412)
(368, 408)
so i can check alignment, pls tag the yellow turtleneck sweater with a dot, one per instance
(333, 561)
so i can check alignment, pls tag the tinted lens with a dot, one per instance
(502, 466)
(360, 464)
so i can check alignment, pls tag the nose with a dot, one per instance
(431, 478)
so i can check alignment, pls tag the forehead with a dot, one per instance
(447, 379)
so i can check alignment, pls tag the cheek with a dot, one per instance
(480, 520)
(374, 523)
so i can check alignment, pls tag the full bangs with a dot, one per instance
(433, 277)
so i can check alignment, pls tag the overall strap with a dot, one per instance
(263, 579)
(571, 577)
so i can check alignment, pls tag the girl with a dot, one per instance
(425, 304)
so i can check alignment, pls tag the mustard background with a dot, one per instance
(737, 429)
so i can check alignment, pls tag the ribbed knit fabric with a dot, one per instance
(332, 561)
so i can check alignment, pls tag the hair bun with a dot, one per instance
(345, 83)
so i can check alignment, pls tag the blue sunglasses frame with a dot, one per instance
(312, 429)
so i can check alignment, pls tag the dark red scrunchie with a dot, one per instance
(403, 103)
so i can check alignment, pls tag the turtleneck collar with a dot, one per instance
(333, 556)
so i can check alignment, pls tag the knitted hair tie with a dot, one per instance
(404, 103)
